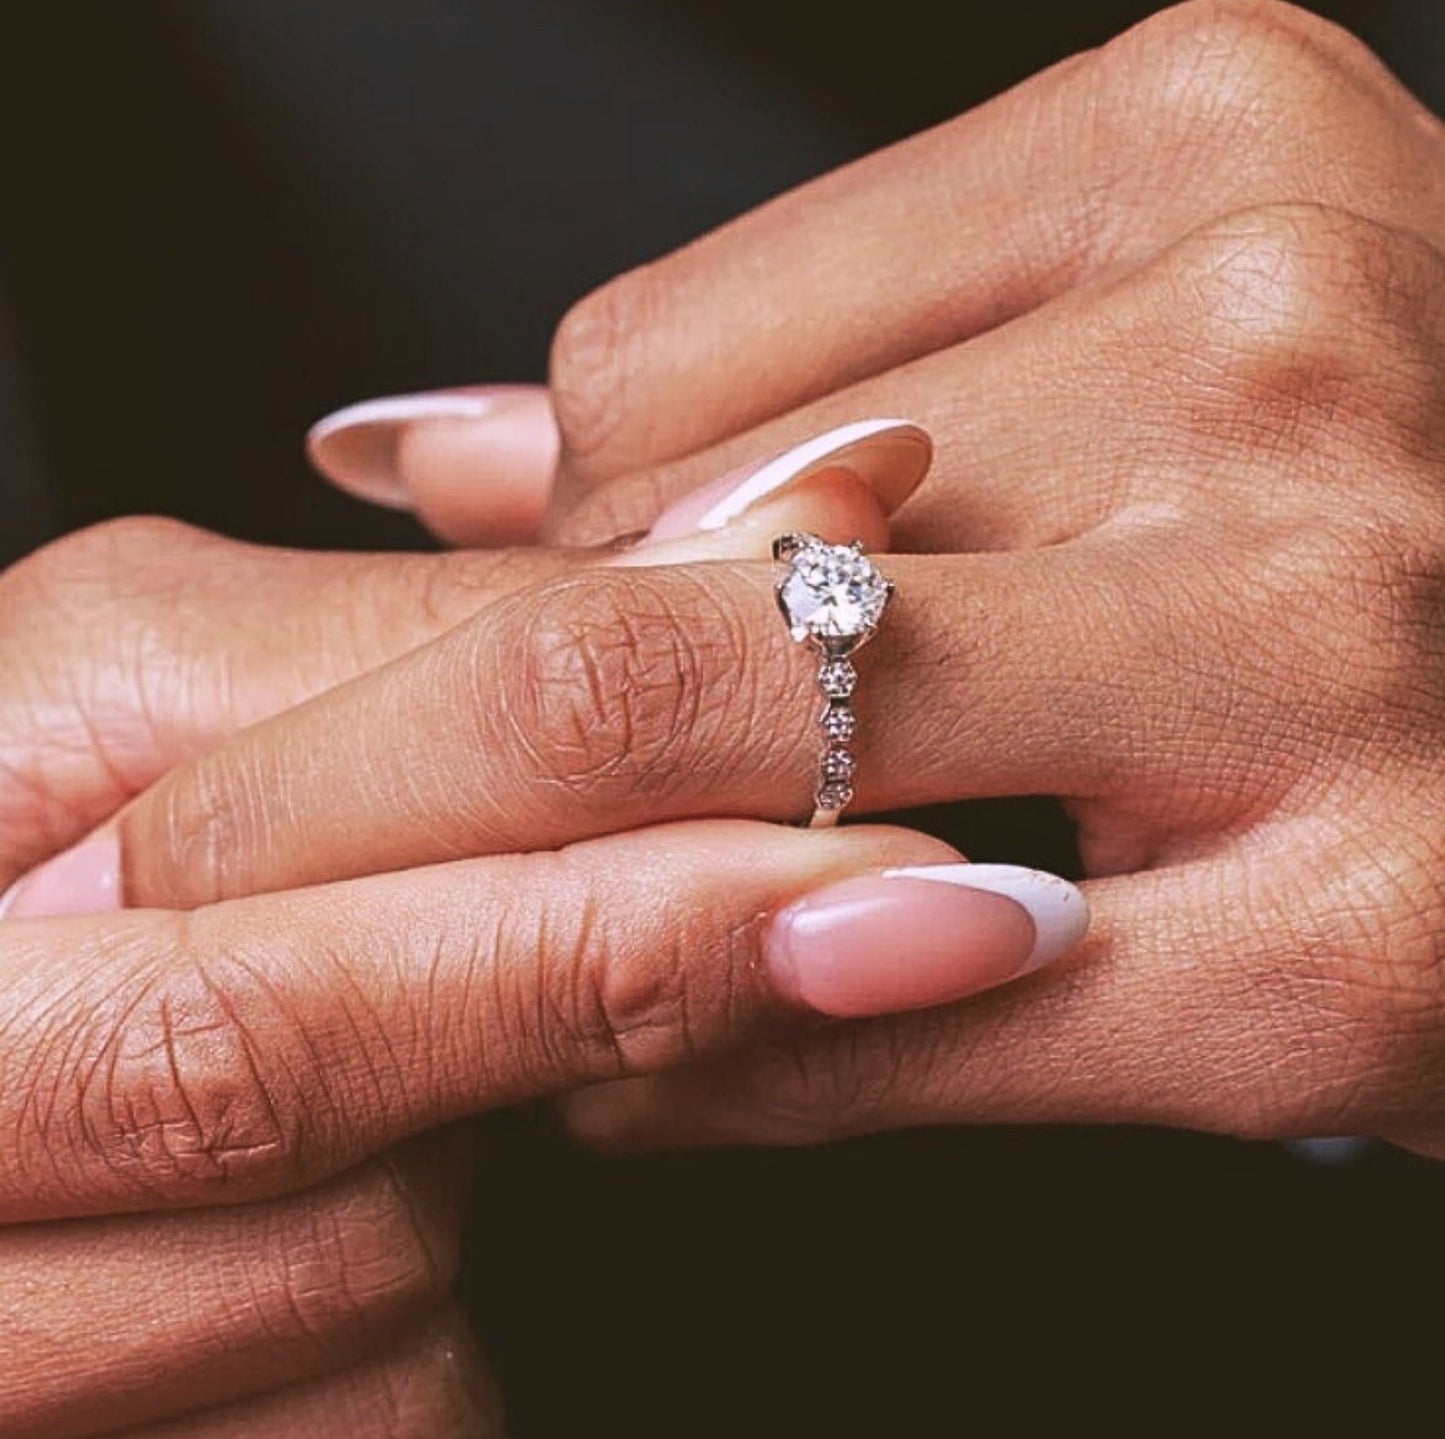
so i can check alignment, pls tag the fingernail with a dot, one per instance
(890, 456)
(506, 429)
(82, 880)
(912, 938)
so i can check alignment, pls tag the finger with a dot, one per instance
(128, 647)
(622, 697)
(115, 681)
(1287, 334)
(152, 1059)
(1084, 171)
(433, 1386)
(474, 464)
(1200, 999)
(275, 1294)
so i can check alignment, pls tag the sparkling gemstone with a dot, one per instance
(834, 796)
(838, 678)
(838, 766)
(839, 723)
(833, 592)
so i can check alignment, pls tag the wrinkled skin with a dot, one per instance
(1172, 311)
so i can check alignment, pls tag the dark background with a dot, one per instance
(221, 218)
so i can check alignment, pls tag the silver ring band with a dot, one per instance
(832, 597)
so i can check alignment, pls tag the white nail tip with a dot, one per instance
(8, 898)
(793, 464)
(1058, 909)
(399, 409)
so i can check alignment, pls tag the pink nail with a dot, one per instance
(82, 880)
(891, 456)
(912, 938)
(510, 426)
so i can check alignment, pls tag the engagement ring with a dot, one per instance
(832, 597)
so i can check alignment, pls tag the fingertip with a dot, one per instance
(356, 447)
(920, 936)
(488, 483)
(475, 464)
(84, 879)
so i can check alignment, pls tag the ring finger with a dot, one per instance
(621, 697)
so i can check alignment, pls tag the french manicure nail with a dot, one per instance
(891, 456)
(82, 880)
(912, 938)
(358, 447)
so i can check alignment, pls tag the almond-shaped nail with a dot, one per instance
(501, 433)
(82, 880)
(913, 938)
(890, 456)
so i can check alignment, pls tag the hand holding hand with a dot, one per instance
(1172, 313)
(222, 1098)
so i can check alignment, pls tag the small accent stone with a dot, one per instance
(838, 678)
(834, 796)
(839, 723)
(838, 766)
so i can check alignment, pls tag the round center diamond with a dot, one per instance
(833, 593)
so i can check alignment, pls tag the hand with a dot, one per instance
(332, 1302)
(1172, 313)
(220, 1104)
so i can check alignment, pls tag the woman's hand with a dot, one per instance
(1186, 545)
(760, 333)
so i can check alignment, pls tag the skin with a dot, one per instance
(1172, 312)
(1213, 417)
(232, 1124)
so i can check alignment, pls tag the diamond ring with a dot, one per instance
(832, 597)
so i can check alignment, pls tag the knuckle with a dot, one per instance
(1217, 57)
(624, 686)
(1311, 319)
(620, 1003)
(1248, 91)
(192, 833)
(593, 353)
(1244, 24)
(628, 1014)
(182, 1079)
